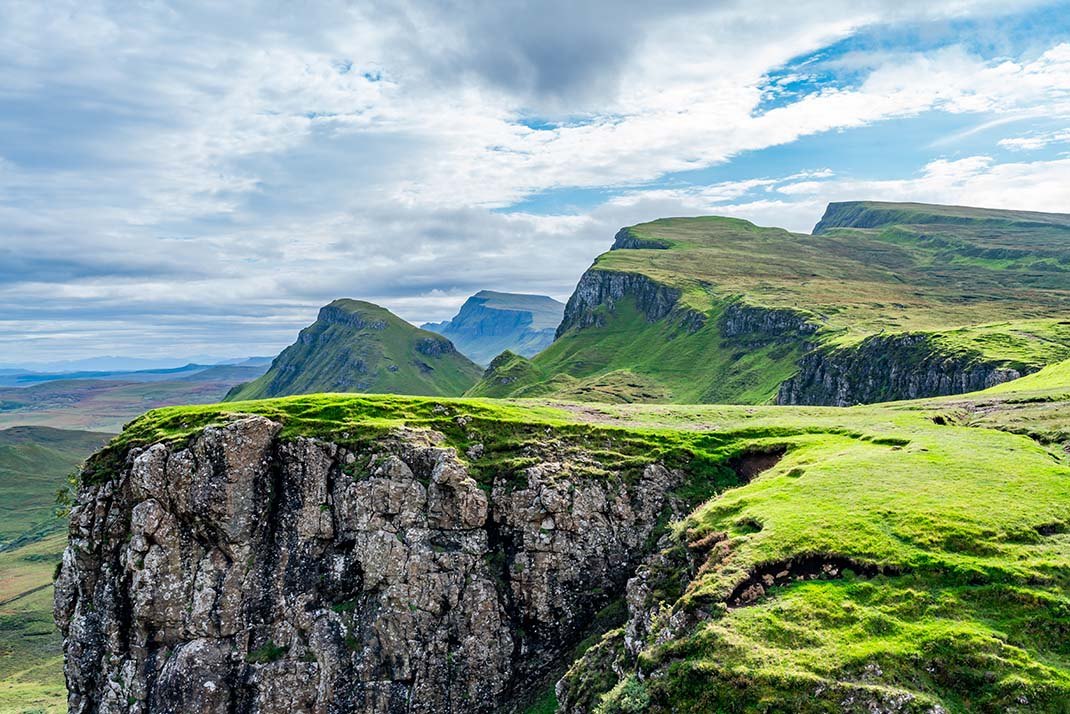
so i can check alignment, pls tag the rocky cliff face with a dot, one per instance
(599, 290)
(247, 572)
(741, 320)
(888, 368)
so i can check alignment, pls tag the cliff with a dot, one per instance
(245, 571)
(378, 554)
(490, 323)
(714, 309)
(598, 291)
(890, 368)
(355, 346)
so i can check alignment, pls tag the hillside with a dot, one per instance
(355, 346)
(908, 557)
(883, 302)
(35, 463)
(490, 323)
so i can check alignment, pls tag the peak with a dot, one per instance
(876, 214)
(351, 305)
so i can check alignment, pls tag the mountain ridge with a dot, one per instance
(357, 346)
(713, 309)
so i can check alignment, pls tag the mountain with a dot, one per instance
(884, 301)
(490, 323)
(472, 556)
(355, 346)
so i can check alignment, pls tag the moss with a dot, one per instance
(270, 652)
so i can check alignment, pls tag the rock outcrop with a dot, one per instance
(246, 572)
(740, 320)
(886, 368)
(599, 290)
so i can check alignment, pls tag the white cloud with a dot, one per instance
(219, 167)
(1032, 142)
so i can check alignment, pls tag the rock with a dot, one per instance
(246, 572)
(887, 368)
(603, 287)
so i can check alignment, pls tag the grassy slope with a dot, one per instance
(969, 525)
(958, 276)
(34, 463)
(327, 355)
(631, 359)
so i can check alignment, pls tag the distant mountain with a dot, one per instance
(355, 346)
(235, 372)
(490, 323)
(884, 301)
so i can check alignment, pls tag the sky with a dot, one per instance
(198, 178)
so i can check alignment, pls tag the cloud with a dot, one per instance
(1032, 142)
(207, 174)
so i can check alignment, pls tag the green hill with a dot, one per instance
(906, 557)
(883, 301)
(34, 464)
(355, 346)
(490, 323)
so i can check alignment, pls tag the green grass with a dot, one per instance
(356, 346)
(34, 464)
(945, 525)
(953, 273)
(630, 359)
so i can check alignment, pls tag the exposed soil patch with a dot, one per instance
(813, 567)
(752, 463)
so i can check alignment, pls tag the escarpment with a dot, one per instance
(247, 571)
(598, 291)
(891, 367)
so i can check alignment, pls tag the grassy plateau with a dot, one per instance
(911, 552)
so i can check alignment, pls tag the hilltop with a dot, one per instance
(490, 323)
(884, 301)
(356, 346)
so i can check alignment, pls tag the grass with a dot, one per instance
(356, 346)
(915, 552)
(34, 464)
(630, 359)
(949, 272)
